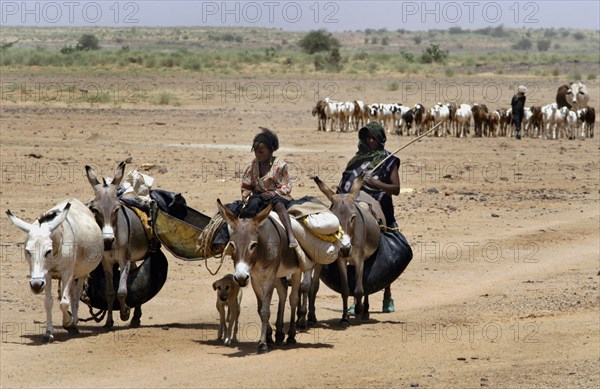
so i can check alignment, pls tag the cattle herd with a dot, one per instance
(569, 117)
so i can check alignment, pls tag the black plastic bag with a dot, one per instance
(143, 283)
(389, 261)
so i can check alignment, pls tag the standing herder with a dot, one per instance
(518, 109)
(381, 184)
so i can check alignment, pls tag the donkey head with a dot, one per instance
(342, 205)
(105, 206)
(243, 240)
(41, 244)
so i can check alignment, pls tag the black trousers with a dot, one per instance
(253, 207)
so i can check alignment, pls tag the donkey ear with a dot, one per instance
(22, 224)
(92, 176)
(262, 215)
(324, 188)
(357, 185)
(119, 174)
(227, 215)
(60, 218)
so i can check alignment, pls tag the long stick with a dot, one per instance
(403, 147)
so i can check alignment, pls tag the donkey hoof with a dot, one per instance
(47, 338)
(291, 340)
(72, 330)
(279, 338)
(302, 323)
(365, 315)
(262, 348)
(344, 323)
(125, 314)
(135, 323)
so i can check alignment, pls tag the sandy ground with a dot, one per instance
(502, 290)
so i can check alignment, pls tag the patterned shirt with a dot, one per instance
(276, 180)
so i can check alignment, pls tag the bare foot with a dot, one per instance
(293, 243)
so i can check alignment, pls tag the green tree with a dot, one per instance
(523, 44)
(88, 42)
(434, 54)
(335, 59)
(543, 44)
(319, 40)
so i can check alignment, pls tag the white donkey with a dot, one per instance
(64, 243)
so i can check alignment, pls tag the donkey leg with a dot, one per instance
(264, 294)
(110, 294)
(76, 292)
(281, 287)
(358, 290)
(294, 299)
(303, 296)
(137, 315)
(365, 314)
(137, 311)
(48, 337)
(312, 296)
(122, 293)
(343, 269)
(65, 303)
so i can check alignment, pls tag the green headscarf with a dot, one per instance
(365, 154)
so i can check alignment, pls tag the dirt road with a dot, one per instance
(502, 290)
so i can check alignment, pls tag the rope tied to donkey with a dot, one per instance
(204, 243)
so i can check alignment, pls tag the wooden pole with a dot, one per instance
(403, 147)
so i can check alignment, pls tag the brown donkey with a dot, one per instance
(360, 241)
(124, 239)
(261, 255)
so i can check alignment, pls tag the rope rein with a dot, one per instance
(221, 263)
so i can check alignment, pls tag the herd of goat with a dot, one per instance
(570, 117)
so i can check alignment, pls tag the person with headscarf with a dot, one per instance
(381, 184)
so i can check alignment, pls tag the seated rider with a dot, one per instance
(265, 180)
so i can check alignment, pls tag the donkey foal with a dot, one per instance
(229, 294)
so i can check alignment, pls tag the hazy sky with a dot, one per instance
(306, 15)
